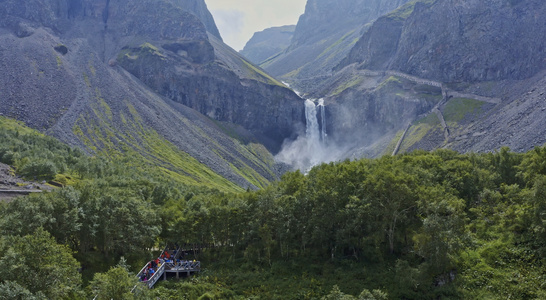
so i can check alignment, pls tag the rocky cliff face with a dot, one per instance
(324, 35)
(199, 8)
(271, 111)
(478, 64)
(267, 43)
(454, 41)
(323, 18)
(92, 72)
(57, 14)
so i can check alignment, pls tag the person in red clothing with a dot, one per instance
(167, 255)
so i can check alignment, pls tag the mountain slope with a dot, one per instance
(470, 41)
(199, 8)
(324, 35)
(69, 69)
(268, 42)
(479, 66)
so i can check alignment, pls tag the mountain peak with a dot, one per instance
(267, 43)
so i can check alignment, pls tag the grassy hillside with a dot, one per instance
(139, 147)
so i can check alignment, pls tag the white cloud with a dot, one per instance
(237, 20)
(230, 23)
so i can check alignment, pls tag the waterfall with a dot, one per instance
(312, 148)
(322, 108)
(312, 131)
(315, 135)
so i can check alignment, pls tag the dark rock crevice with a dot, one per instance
(106, 14)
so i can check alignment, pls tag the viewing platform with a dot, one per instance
(168, 265)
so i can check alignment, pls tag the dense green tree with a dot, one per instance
(59, 213)
(389, 193)
(10, 290)
(443, 232)
(37, 264)
(539, 212)
(45, 170)
(373, 295)
(337, 294)
(118, 283)
(114, 223)
(533, 165)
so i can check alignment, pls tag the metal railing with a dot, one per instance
(183, 266)
(152, 280)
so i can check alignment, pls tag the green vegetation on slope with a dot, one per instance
(403, 12)
(261, 75)
(146, 146)
(419, 130)
(392, 85)
(337, 43)
(458, 108)
(355, 80)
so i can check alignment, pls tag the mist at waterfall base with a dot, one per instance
(312, 148)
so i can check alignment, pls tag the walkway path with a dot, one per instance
(397, 148)
(446, 95)
(443, 122)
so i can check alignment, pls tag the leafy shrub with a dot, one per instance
(39, 169)
(10, 157)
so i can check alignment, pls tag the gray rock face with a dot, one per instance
(486, 56)
(55, 13)
(83, 70)
(325, 17)
(199, 8)
(366, 109)
(271, 112)
(324, 35)
(265, 44)
(454, 41)
(359, 119)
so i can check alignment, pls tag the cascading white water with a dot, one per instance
(312, 131)
(312, 134)
(322, 108)
(312, 148)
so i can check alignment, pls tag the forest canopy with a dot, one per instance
(420, 225)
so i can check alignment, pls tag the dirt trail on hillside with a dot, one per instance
(12, 186)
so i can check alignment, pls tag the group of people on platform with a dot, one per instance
(165, 258)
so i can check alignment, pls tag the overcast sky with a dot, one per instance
(237, 20)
